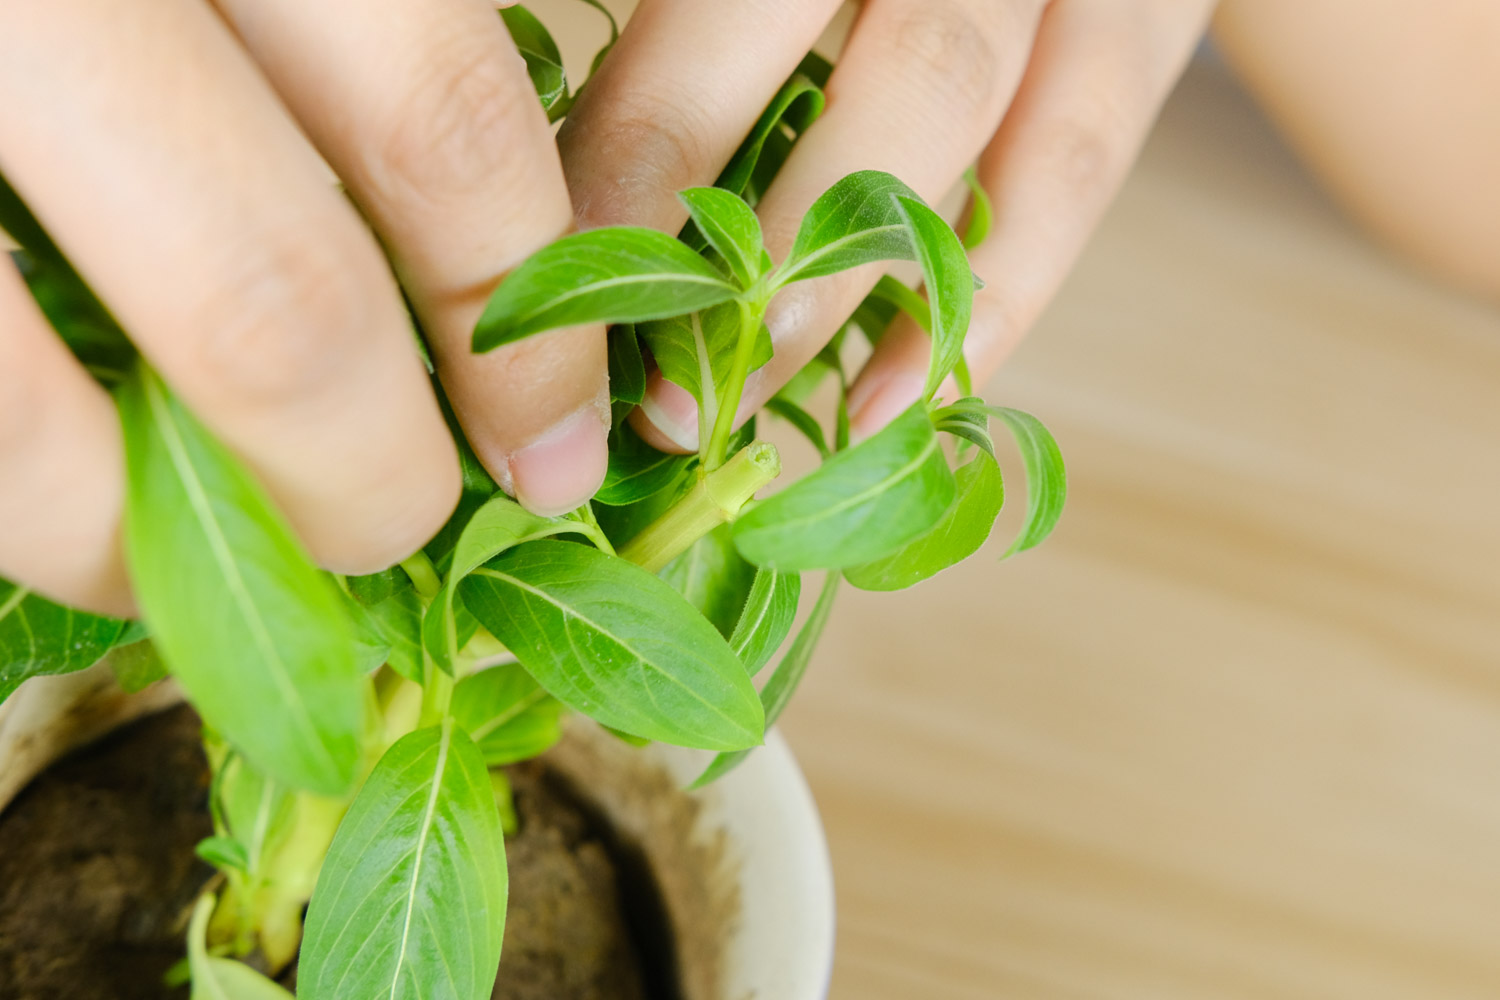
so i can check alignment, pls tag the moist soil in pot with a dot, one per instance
(97, 875)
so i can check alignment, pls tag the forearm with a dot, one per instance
(1394, 105)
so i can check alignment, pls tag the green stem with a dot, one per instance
(437, 695)
(734, 389)
(423, 575)
(715, 499)
(592, 529)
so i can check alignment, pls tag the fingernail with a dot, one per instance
(672, 411)
(564, 467)
(872, 408)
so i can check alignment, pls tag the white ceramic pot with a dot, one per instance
(741, 866)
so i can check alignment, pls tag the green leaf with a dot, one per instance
(507, 714)
(799, 418)
(766, 618)
(223, 853)
(543, 60)
(860, 505)
(410, 903)
(949, 283)
(83, 322)
(627, 369)
(973, 427)
(856, 221)
(785, 678)
(38, 637)
(618, 644)
(79, 318)
(136, 665)
(963, 529)
(478, 488)
(981, 215)
(730, 227)
(495, 527)
(1046, 476)
(624, 274)
(637, 470)
(221, 978)
(256, 635)
(398, 617)
(714, 578)
(696, 352)
(796, 105)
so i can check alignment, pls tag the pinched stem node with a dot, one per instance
(715, 499)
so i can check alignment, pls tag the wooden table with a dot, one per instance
(1235, 731)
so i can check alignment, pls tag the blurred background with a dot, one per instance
(1234, 731)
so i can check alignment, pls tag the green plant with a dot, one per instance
(355, 725)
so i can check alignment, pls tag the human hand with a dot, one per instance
(1053, 98)
(162, 145)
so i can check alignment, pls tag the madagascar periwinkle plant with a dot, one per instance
(356, 726)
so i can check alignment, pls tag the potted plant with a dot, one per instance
(362, 734)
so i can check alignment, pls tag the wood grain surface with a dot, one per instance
(1235, 731)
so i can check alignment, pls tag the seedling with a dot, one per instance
(355, 725)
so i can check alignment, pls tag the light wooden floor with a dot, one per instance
(1235, 731)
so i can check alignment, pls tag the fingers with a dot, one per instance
(1098, 75)
(920, 88)
(60, 462)
(680, 90)
(154, 152)
(425, 110)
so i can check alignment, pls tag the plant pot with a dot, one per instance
(736, 874)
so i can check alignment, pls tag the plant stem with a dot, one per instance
(423, 575)
(715, 499)
(437, 694)
(744, 350)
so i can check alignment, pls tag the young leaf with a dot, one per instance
(857, 221)
(766, 618)
(714, 578)
(38, 637)
(950, 286)
(785, 678)
(223, 853)
(507, 714)
(217, 978)
(136, 665)
(799, 418)
(543, 60)
(624, 274)
(256, 635)
(495, 527)
(696, 352)
(394, 619)
(627, 369)
(614, 642)
(637, 470)
(960, 533)
(730, 227)
(981, 215)
(796, 105)
(410, 903)
(971, 426)
(1046, 476)
(860, 505)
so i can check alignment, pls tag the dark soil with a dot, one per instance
(97, 874)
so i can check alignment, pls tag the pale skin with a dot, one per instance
(172, 148)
